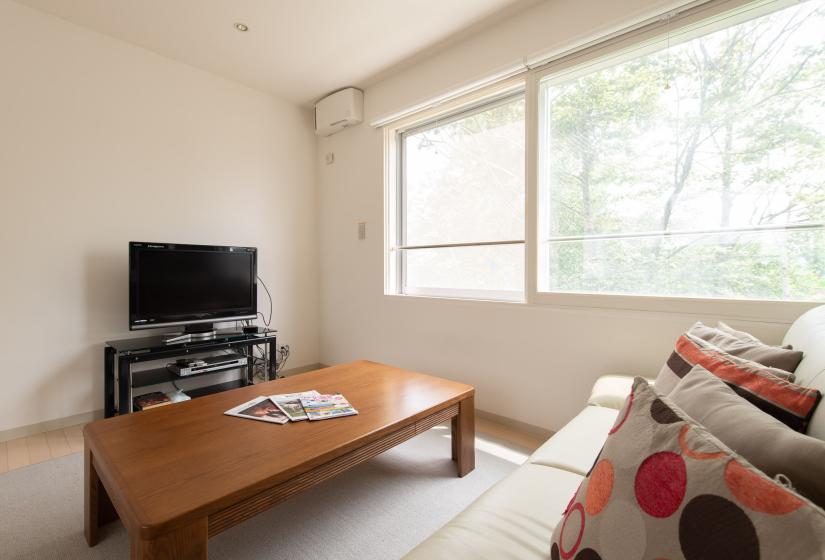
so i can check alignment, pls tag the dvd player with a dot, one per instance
(188, 367)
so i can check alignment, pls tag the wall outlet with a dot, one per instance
(362, 231)
(329, 158)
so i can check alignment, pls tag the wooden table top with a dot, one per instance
(180, 462)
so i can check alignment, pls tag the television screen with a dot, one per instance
(182, 284)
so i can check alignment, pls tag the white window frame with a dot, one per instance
(693, 21)
(394, 250)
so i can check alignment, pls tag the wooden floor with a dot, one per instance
(26, 451)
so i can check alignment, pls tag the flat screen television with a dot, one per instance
(191, 285)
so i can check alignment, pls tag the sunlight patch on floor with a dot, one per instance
(495, 449)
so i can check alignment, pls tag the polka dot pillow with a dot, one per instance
(664, 488)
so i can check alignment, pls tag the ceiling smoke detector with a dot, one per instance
(241, 27)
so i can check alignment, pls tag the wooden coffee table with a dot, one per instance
(179, 474)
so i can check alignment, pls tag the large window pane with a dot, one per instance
(722, 133)
(464, 179)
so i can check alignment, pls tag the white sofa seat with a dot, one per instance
(513, 519)
(577, 444)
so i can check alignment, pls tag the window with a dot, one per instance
(459, 230)
(675, 167)
(694, 168)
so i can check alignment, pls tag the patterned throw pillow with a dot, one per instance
(664, 487)
(788, 402)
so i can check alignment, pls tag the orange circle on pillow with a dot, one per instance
(757, 493)
(599, 488)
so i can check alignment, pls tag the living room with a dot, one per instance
(477, 221)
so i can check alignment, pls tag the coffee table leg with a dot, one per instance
(464, 435)
(98, 508)
(184, 543)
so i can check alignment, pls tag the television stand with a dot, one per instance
(120, 355)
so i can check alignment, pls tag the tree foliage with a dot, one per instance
(722, 132)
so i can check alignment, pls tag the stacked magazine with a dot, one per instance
(294, 407)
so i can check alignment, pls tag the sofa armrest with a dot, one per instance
(610, 391)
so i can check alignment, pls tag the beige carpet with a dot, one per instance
(379, 510)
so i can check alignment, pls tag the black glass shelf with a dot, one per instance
(163, 375)
(157, 344)
(121, 355)
(217, 388)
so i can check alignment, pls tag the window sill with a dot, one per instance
(769, 311)
(781, 312)
(454, 299)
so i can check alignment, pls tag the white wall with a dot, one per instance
(102, 142)
(532, 363)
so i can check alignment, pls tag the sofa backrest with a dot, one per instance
(807, 334)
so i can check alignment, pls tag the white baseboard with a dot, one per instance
(516, 424)
(85, 417)
(49, 425)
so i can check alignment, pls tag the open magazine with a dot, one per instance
(260, 408)
(290, 404)
(327, 406)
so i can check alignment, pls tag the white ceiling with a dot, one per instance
(298, 49)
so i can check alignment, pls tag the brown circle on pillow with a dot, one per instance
(588, 554)
(713, 528)
(662, 412)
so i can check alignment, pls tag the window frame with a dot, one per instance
(395, 196)
(638, 42)
(693, 21)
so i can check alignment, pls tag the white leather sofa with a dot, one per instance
(515, 518)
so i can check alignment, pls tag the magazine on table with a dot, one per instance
(327, 406)
(290, 404)
(260, 408)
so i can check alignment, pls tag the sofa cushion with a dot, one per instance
(808, 334)
(664, 487)
(611, 391)
(745, 429)
(788, 402)
(575, 446)
(513, 519)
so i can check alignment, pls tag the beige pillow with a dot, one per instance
(741, 335)
(761, 439)
(746, 336)
(748, 348)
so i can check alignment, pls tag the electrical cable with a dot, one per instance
(283, 351)
(269, 295)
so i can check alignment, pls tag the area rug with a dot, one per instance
(380, 509)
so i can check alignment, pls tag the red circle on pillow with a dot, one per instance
(567, 554)
(660, 484)
(619, 422)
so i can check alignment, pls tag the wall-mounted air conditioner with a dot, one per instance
(339, 110)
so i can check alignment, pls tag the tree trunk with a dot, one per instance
(727, 175)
